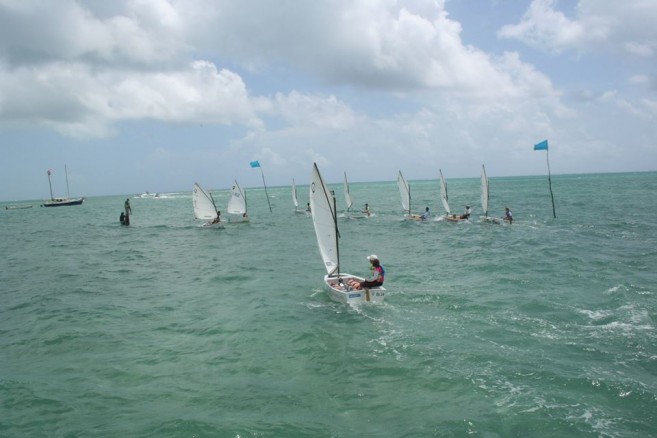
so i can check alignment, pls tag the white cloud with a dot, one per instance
(627, 26)
(76, 100)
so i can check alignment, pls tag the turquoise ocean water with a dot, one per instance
(164, 329)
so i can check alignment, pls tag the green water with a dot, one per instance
(165, 329)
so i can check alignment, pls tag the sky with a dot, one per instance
(154, 95)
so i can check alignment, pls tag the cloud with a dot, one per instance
(77, 100)
(81, 67)
(625, 27)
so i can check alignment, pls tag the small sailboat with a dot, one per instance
(237, 205)
(325, 221)
(60, 202)
(350, 203)
(484, 199)
(205, 208)
(405, 193)
(444, 198)
(295, 199)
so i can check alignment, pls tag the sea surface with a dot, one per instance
(545, 328)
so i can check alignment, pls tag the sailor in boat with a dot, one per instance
(217, 219)
(508, 216)
(465, 215)
(426, 214)
(366, 210)
(308, 208)
(376, 278)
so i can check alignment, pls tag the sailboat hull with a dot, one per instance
(492, 220)
(62, 202)
(341, 293)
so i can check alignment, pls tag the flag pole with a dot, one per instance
(543, 146)
(256, 163)
(547, 155)
(265, 185)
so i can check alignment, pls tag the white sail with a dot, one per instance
(443, 192)
(294, 194)
(237, 201)
(404, 192)
(324, 219)
(204, 207)
(484, 190)
(347, 195)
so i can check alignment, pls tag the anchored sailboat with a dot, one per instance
(325, 221)
(60, 202)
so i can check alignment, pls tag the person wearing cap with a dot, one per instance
(508, 216)
(426, 214)
(468, 212)
(217, 219)
(375, 280)
(366, 210)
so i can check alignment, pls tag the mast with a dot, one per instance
(68, 194)
(337, 236)
(52, 198)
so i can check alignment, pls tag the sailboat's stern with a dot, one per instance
(340, 291)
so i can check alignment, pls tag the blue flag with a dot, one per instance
(255, 163)
(542, 146)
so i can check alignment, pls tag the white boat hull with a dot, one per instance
(343, 294)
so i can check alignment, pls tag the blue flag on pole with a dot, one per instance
(255, 163)
(542, 146)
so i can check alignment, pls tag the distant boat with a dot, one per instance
(350, 203)
(484, 198)
(444, 198)
(325, 221)
(295, 199)
(204, 207)
(237, 205)
(405, 194)
(148, 195)
(17, 207)
(60, 202)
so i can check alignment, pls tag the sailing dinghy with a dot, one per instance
(61, 202)
(204, 207)
(325, 221)
(405, 193)
(350, 203)
(444, 198)
(295, 199)
(484, 199)
(237, 205)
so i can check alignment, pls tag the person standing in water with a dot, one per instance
(128, 211)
